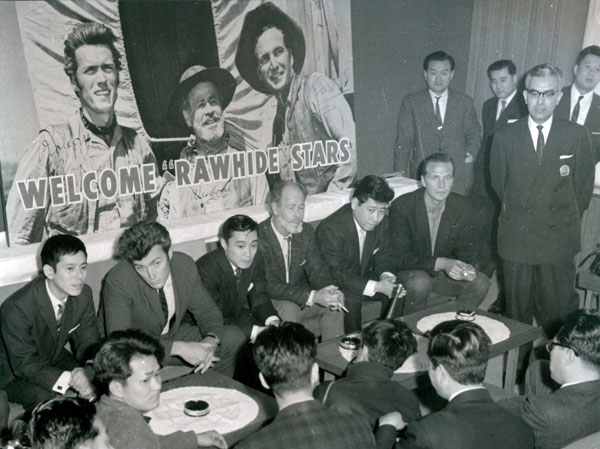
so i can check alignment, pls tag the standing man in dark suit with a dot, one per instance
(438, 119)
(434, 242)
(459, 352)
(356, 243)
(579, 103)
(41, 319)
(235, 278)
(159, 291)
(562, 401)
(542, 170)
(298, 281)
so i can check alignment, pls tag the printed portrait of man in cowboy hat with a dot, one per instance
(310, 108)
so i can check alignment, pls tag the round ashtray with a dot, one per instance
(465, 315)
(352, 343)
(196, 408)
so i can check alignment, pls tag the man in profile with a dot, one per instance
(311, 109)
(67, 423)
(285, 356)
(458, 352)
(562, 396)
(438, 119)
(49, 328)
(434, 240)
(90, 141)
(298, 281)
(158, 291)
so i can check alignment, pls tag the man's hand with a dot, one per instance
(385, 286)
(393, 419)
(211, 438)
(200, 354)
(82, 385)
(328, 297)
(456, 269)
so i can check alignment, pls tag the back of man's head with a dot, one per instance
(285, 356)
(63, 423)
(59, 245)
(137, 241)
(581, 332)
(389, 342)
(462, 348)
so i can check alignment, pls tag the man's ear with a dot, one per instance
(525, 95)
(115, 388)
(363, 354)
(170, 253)
(223, 243)
(354, 203)
(314, 374)
(560, 95)
(263, 381)
(48, 271)
(451, 74)
(188, 117)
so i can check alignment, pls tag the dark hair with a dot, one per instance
(240, 223)
(544, 70)
(90, 33)
(60, 245)
(137, 241)
(286, 40)
(116, 351)
(389, 342)
(502, 64)
(276, 192)
(438, 56)
(590, 50)
(441, 158)
(374, 187)
(462, 348)
(62, 423)
(285, 356)
(582, 331)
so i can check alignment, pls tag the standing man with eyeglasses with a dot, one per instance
(542, 169)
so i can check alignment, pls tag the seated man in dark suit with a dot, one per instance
(368, 390)
(459, 352)
(285, 356)
(41, 319)
(356, 243)
(562, 401)
(235, 278)
(298, 281)
(434, 240)
(159, 291)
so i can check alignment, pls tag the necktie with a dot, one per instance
(279, 123)
(289, 255)
(502, 108)
(539, 149)
(361, 242)
(163, 303)
(575, 114)
(59, 315)
(238, 275)
(438, 114)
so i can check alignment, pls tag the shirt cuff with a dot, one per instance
(370, 288)
(309, 303)
(62, 383)
(254, 333)
(271, 320)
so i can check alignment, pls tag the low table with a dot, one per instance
(331, 361)
(267, 407)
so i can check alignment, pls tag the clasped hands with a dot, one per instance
(199, 354)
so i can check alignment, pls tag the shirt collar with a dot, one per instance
(508, 99)
(575, 94)
(369, 369)
(55, 301)
(443, 96)
(469, 388)
(533, 125)
(359, 229)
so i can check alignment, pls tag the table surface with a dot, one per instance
(330, 359)
(267, 407)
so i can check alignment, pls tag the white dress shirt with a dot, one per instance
(443, 102)
(584, 105)
(170, 295)
(507, 100)
(533, 130)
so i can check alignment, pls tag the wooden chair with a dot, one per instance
(589, 282)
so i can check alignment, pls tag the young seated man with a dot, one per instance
(235, 278)
(459, 352)
(562, 401)
(67, 423)
(159, 291)
(368, 389)
(49, 328)
(285, 356)
(127, 366)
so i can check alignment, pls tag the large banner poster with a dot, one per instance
(192, 108)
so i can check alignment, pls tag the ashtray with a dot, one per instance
(465, 315)
(352, 343)
(196, 408)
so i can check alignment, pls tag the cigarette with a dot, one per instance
(343, 307)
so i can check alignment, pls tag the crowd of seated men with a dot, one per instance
(271, 289)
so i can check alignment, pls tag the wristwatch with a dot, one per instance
(214, 337)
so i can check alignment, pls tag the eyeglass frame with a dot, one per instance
(546, 95)
(551, 344)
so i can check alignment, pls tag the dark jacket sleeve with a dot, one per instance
(86, 336)
(585, 170)
(498, 169)
(261, 306)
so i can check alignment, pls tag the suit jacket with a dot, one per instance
(129, 302)
(368, 391)
(337, 239)
(244, 304)
(35, 350)
(307, 269)
(471, 420)
(592, 121)
(542, 203)
(561, 417)
(310, 425)
(410, 232)
(418, 136)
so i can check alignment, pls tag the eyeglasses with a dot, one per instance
(546, 95)
(551, 344)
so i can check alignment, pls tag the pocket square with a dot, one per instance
(251, 286)
(566, 156)
(375, 251)
(512, 120)
(595, 133)
(75, 328)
